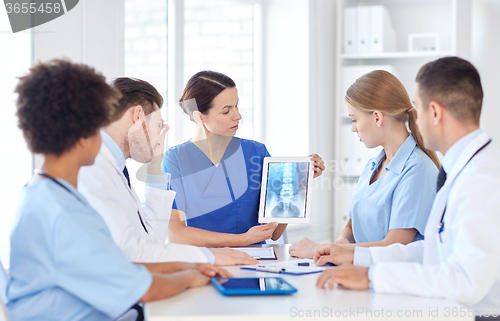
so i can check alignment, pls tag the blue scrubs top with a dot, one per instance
(64, 263)
(401, 199)
(221, 199)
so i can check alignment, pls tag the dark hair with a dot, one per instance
(136, 92)
(60, 102)
(381, 90)
(203, 87)
(455, 84)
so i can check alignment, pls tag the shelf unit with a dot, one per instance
(397, 55)
(449, 19)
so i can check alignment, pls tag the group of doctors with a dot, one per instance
(80, 222)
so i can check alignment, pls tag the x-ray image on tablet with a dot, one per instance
(285, 190)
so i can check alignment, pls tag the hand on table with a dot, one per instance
(208, 270)
(334, 253)
(318, 163)
(349, 276)
(228, 256)
(197, 280)
(304, 248)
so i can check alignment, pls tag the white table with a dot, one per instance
(309, 303)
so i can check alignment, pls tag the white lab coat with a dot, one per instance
(106, 189)
(465, 266)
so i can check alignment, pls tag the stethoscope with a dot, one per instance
(39, 172)
(440, 226)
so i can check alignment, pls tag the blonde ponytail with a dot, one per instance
(412, 124)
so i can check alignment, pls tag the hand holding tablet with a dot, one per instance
(285, 190)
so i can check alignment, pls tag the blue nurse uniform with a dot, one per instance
(400, 199)
(223, 198)
(64, 263)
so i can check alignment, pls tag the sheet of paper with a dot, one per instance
(258, 252)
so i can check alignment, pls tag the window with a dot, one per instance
(219, 36)
(146, 54)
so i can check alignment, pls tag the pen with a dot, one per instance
(269, 269)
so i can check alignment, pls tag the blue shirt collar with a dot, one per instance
(398, 162)
(114, 149)
(452, 155)
(73, 191)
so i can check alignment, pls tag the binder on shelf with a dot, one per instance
(364, 24)
(350, 27)
(368, 30)
(382, 34)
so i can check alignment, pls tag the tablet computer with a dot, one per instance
(253, 286)
(286, 189)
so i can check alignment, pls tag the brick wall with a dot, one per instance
(145, 55)
(146, 42)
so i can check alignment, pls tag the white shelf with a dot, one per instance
(397, 55)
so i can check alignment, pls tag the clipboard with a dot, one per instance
(259, 253)
(306, 266)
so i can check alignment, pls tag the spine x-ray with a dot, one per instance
(286, 190)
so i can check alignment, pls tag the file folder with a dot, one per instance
(364, 24)
(350, 30)
(382, 34)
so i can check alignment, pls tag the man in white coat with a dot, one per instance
(140, 230)
(460, 256)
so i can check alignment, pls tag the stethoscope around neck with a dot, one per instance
(440, 226)
(39, 172)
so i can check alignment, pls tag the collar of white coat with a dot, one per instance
(114, 149)
(454, 152)
(461, 155)
(108, 157)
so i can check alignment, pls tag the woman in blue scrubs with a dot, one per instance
(395, 192)
(216, 175)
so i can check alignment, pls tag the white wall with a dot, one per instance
(91, 33)
(321, 114)
(15, 158)
(298, 95)
(286, 77)
(486, 58)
